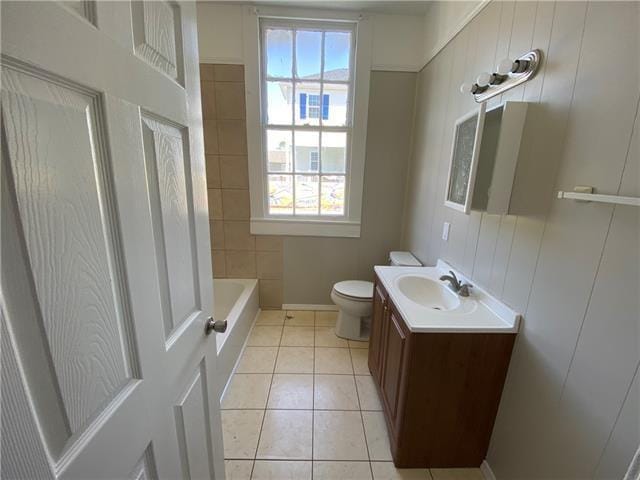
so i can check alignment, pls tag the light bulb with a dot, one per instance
(484, 79)
(506, 66)
(466, 88)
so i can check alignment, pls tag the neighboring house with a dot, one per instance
(310, 106)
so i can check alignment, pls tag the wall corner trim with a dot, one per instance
(454, 31)
(487, 473)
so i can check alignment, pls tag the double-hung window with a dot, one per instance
(307, 82)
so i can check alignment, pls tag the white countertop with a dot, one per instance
(478, 313)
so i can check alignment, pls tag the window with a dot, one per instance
(307, 66)
(306, 120)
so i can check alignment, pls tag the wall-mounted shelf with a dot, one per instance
(585, 194)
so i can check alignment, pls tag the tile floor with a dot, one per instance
(302, 405)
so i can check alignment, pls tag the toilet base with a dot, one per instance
(352, 327)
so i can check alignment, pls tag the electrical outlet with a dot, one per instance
(445, 231)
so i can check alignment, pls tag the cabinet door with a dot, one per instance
(395, 354)
(375, 340)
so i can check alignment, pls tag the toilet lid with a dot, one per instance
(355, 288)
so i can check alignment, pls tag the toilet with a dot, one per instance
(354, 299)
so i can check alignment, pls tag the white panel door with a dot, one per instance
(107, 371)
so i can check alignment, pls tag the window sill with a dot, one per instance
(308, 228)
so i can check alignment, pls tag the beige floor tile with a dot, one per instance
(367, 393)
(271, 317)
(341, 470)
(326, 337)
(356, 344)
(387, 471)
(238, 469)
(286, 435)
(326, 318)
(257, 360)
(456, 474)
(333, 360)
(338, 436)
(297, 337)
(247, 390)
(360, 357)
(240, 430)
(279, 470)
(335, 392)
(291, 391)
(375, 430)
(265, 336)
(300, 318)
(295, 360)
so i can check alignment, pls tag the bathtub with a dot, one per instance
(236, 301)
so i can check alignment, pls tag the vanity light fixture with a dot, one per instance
(509, 73)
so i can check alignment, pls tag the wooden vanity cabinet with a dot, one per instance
(440, 391)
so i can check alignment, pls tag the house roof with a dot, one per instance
(335, 74)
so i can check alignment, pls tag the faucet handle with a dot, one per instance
(463, 291)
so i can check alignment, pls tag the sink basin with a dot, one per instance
(427, 292)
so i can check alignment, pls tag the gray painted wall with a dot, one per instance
(313, 264)
(570, 407)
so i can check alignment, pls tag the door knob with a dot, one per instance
(219, 326)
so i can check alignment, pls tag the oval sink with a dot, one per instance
(427, 292)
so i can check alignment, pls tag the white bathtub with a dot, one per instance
(236, 301)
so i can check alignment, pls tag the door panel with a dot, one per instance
(106, 272)
(393, 364)
(167, 164)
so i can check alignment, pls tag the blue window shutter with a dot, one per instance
(325, 106)
(303, 105)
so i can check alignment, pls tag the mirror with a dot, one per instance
(463, 164)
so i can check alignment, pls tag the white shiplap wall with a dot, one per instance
(570, 407)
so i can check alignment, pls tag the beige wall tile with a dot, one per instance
(230, 100)
(232, 137)
(235, 204)
(216, 230)
(210, 128)
(208, 99)
(237, 236)
(215, 203)
(206, 72)
(268, 243)
(234, 171)
(213, 171)
(271, 293)
(240, 264)
(269, 265)
(228, 73)
(218, 264)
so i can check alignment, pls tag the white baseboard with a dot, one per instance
(487, 473)
(306, 306)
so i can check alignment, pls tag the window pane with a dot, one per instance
(334, 152)
(335, 104)
(307, 157)
(308, 109)
(280, 194)
(308, 53)
(279, 98)
(332, 200)
(337, 48)
(279, 49)
(278, 151)
(306, 194)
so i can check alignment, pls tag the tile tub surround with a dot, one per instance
(298, 409)
(235, 252)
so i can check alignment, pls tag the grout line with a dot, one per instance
(364, 431)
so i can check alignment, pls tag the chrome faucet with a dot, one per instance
(461, 289)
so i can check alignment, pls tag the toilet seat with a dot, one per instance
(356, 290)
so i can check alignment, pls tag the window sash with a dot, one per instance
(294, 26)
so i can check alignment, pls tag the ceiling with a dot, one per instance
(390, 7)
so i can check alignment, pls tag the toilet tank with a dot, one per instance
(403, 259)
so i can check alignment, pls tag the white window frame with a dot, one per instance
(347, 225)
